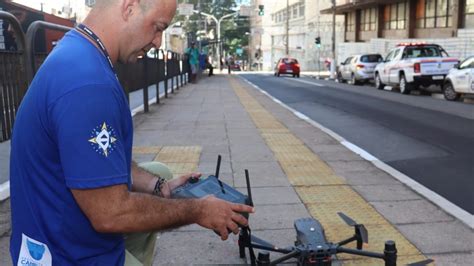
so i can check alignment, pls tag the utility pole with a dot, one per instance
(333, 61)
(287, 27)
(319, 35)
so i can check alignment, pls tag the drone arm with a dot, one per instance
(347, 241)
(360, 252)
(288, 256)
(273, 249)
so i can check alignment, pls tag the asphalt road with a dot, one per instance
(427, 139)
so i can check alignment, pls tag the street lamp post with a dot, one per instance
(218, 23)
(333, 63)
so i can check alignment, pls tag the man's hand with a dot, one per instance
(171, 185)
(221, 216)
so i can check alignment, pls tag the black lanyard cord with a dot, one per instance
(85, 30)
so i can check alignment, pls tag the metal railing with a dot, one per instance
(18, 68)
(30, 42)
(12, 78)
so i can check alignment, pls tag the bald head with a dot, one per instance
(129, 28)
(144, 4)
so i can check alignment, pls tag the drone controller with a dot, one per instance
(199, 188)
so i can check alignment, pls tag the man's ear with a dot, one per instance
(129, 8)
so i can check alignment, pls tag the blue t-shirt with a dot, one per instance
(73, 130)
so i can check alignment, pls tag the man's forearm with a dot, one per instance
(143, 213)
(143, 181)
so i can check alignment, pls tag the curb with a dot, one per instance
(435, 198)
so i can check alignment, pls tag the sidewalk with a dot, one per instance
(296, 171)
(228, 117)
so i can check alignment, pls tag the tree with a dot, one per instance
(233, 31)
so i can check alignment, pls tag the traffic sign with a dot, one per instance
(185, 9)
(176, 31)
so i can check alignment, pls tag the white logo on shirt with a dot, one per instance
(33, 252)
(103, 139)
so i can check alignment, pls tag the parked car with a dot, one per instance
(289, 66)
(460, 80)
(411, 65)
(358, 68)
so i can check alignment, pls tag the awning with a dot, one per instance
(357, 4)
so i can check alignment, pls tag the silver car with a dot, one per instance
(358, 68)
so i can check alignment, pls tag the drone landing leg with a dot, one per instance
(241, 245)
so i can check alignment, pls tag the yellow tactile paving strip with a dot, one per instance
(180, 159)
(146, 150)
(322, 191)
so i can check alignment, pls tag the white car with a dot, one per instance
(460, 80)
(358, 68)
(411, 65)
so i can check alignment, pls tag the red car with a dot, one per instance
(289, 66)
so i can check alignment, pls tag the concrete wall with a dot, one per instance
(394, 34)
(459, 47)
(367, 35)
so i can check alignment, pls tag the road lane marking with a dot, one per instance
(307, 82)
(432, 196)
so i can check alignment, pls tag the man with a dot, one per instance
(193, 58)
(72, 195)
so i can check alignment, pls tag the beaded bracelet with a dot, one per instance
(158, 185)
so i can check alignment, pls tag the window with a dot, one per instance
(468, 63)
(389, 56)
(395, 55)
(395, 16)
(422, 51)
(301, 9)
(368, 19)
(469, 14)
(434, 13)
(295, 11)
(371, 58)
(350, 20)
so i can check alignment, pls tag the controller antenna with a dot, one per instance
(218, 167)
(249, 191)
(219, 157)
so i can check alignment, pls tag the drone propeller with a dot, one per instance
(360, 228)
(363, 233)
(421, 263)
(347, 219)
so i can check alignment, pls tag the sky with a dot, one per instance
(58, 4)
(47, 4)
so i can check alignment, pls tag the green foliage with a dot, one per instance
(233, 30)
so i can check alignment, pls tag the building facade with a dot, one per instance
(289, 28)
(377, 25)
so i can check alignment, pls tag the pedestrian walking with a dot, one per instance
(77, 198)
(193, 59)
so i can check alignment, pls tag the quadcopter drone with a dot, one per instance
(310, 247)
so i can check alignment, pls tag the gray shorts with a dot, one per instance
(194, 69)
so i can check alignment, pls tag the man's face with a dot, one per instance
(145, 28)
